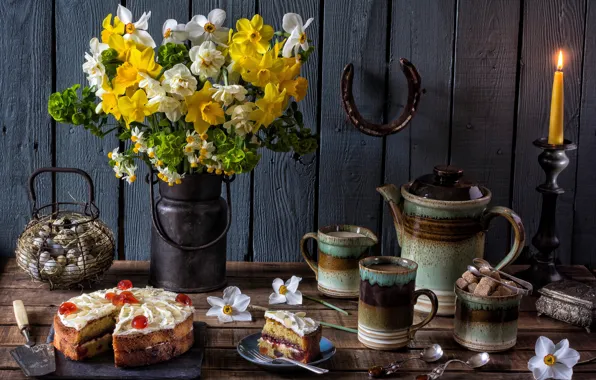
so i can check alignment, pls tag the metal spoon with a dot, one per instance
(429, 354)
(476, 361)
(483, 263)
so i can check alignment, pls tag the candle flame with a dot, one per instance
(560, 61)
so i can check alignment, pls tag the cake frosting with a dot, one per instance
(90, 307)
(157, 305)
(297, 322)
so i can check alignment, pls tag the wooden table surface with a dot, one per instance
(254, 279)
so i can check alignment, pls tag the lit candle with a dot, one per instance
(555, 129)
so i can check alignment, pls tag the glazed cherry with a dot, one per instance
(110, 296)
(67, 308)
(183, 298)
(118, 300)
(124, 284)
(128, 297)
(139, 322)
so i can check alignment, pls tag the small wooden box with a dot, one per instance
(570, 302)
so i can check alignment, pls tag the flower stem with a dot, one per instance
(338, 327)
(326, 304)
(255, 307)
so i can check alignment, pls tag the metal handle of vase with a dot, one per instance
(159, 228)
(307, 256)
(433, 311)
(519, 234)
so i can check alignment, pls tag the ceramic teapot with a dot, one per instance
(441, 221)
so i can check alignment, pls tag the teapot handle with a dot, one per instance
(519, 237)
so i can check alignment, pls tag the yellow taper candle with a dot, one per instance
(555, 129)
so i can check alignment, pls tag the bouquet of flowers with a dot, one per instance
(210, 99)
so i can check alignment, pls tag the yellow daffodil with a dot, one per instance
(109, 29)
(295, 87)
(109, 100)
(139, 61)
(144, 61)
(203, 112)
(263, 71)
(254, 33)
(269, 107)
(242, 55)
(135, 108)
(121, 45)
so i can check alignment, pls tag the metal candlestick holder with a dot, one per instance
(553, 161)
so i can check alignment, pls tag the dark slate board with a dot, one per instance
(186, 366)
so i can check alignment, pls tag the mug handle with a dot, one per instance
(307, 256)
(519, 237)
(433, 311)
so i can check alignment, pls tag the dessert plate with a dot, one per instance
(251, 342)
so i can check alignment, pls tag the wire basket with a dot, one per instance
(64, 247)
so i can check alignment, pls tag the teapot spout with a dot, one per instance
(393, 197)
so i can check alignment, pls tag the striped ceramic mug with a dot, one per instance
(340, 248)
(387, 299)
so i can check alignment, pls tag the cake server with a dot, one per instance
(34, 359)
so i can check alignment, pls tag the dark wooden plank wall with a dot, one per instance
(487, 69)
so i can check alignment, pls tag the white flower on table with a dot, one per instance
(231, 308)
(173, 32)
(201, 28)
(206, 59)
(292, 24)
(136, 31)
(287, 292)
(179, 81)
(552, 361)
(93, 67)
(227, 94)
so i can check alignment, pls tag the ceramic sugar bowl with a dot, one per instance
(441, 221)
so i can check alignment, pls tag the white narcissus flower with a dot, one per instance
(173, 32)
(552, 361)
(136, 31)
(151, 86)
(206, 59)
(227, 94)
(292, 23)
(287, 292)
(240, 118)
(232, 307)
(170, 106)
(93, 67)
(136, 135)
(201, 28)
(179, 80)
(130, 176)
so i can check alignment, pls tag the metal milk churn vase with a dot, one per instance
(188, 237)
(441, 221)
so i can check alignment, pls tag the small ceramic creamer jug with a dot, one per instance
(441, 221)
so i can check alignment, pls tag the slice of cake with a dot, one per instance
(291, 335)
(142, 325)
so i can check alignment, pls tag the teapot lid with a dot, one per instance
(446, 184)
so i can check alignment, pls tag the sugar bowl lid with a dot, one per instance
(446, 183)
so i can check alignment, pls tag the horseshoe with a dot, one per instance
(373, 129)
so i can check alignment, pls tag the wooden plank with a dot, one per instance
(422, 32)
(351, 162)
(284, 188)
(239, 239)
(584, 218)
(26, 129)
(548, 27)
(484, 102)
(76, 23)
(137, 214)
